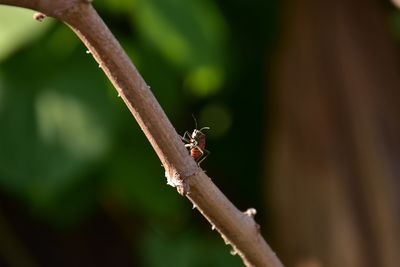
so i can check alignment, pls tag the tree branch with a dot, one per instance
(237, 228)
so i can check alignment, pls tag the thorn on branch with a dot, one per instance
(251, 212)
(39, 16)
(233, 252)
(183, 189)
(175, 180)
(226, 241)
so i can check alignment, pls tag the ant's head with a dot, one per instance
(196, 133)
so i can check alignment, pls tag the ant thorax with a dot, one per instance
(195, 133)
(198, 133)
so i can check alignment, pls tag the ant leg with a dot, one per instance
(188, 139)
(186, 136)
(204, 155)
(189, 145)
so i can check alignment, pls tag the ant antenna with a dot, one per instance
(195, 121)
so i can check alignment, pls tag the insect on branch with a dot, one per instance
(195, 142)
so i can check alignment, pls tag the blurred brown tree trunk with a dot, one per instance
(335, 150)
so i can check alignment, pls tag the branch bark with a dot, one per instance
(237, 228)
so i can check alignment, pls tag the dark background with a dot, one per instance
(81, 186)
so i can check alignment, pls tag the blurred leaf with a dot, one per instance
(204, 80)
(218, 118)
(137, 179)
(63, 120)
(118, 7)
(394, 23)
(186, 249)
(1, 91)
(60, 43)
(189, 34)
(52, 128)
(163, 80)
(18, 28)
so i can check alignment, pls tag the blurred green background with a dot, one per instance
(79, 183)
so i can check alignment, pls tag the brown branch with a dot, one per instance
(237, 228)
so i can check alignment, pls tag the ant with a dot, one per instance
(196, 143)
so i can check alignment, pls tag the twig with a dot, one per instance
(237, 228)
